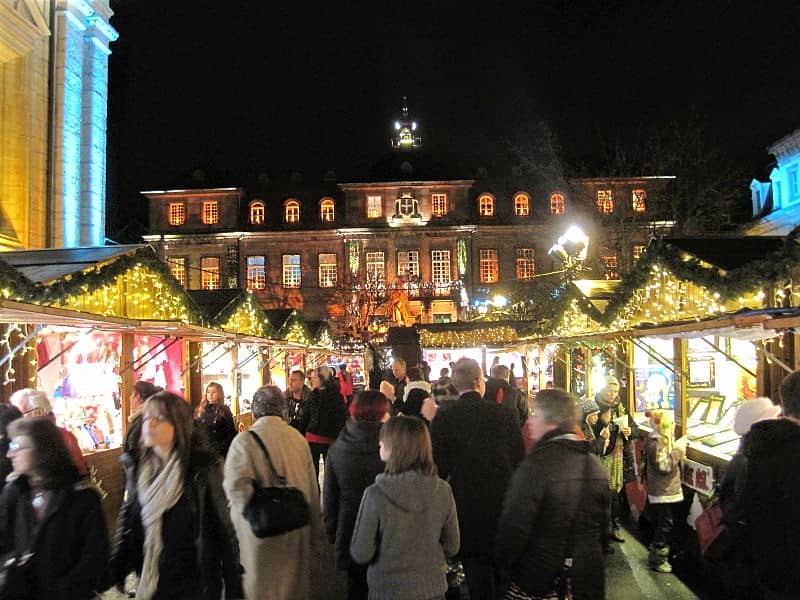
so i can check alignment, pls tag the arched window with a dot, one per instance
(256, 212)
(522, 204)
(486, 205)
(327, 210)
(292, 210)
(557, 204)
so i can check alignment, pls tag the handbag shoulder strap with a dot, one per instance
(281, 479)
(568, 551)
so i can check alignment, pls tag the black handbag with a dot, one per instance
(275, 510)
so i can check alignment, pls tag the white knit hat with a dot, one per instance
(753, 411)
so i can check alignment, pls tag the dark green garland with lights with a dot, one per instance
(96, 277)
(14, 285)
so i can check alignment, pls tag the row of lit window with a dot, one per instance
(439, 207)
(407, 267)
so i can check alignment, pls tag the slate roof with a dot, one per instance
(43, 266)
(728, 252)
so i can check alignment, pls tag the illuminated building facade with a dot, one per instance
(54, 67)
(424, 241)
(776, 203)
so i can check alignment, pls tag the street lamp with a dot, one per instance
(571, 248)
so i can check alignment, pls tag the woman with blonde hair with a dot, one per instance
(407, 523)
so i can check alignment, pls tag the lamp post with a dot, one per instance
(571, 249)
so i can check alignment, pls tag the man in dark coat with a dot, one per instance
(500, 391)
(772, 489)
(476, 446)
(556, 506)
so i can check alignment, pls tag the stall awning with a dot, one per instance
(12, 311)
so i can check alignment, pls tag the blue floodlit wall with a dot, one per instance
(83, 35)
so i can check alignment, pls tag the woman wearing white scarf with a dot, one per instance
(175, 530)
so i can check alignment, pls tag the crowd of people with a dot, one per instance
(418, 476)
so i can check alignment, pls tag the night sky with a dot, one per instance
(242, 88)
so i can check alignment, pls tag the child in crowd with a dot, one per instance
(662, 455)
(407, 523)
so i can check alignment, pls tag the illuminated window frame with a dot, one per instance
(327, 270)
(257, 212)
(526, 263)
(605, 201)
(327, 210)
(176, 213)
(522, 204)
(439, 204)
(408, 263)
(210, 212)
(256, 272)
(636, 251)
(558, 205)
(374, 206)
(486, 205)
(639, 201)
(291, 211)
(488, 265)
(376, 266)
(209, 272)
(177, 266)
(610, 262)
(291, 273)
(441, 271)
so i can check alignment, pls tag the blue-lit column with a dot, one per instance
(81, 38)
(93, 129)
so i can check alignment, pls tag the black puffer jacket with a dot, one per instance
(353, 463)
(771, 506)
(548, 489)
(70, 545)
(326, 412)
(200, 545)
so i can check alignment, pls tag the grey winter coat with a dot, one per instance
(406, 526)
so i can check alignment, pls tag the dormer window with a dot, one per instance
(374, 207)
(605, 201)
(211, 212)
(292, 211)
(176, 213)
(327, 210)
(439, 205)
(257, 212)
(522, 205)
(557, 204)
(639, 201)
(486, 205)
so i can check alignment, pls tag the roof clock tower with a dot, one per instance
(405, 135)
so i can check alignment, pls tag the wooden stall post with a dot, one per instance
(192, 376)
(128, 377)
(681, 365)
(235, 380)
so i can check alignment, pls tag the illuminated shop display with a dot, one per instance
(653, 377)
(721, 376)
(79, 371)
(236, 371)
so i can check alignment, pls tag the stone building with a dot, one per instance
(408, 240)
(54, 73)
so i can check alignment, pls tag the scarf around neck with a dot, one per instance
(158, 492)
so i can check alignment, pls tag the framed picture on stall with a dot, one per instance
(701, 373)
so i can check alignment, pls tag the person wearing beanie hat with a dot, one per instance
(620, 444)
(590, 414)
(731, 491)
